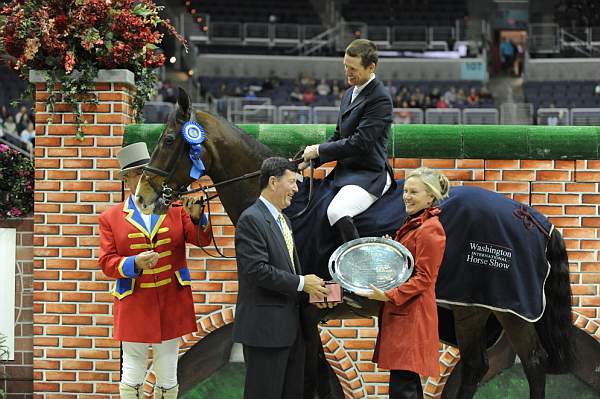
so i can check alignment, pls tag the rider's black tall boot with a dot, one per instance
(347, 229)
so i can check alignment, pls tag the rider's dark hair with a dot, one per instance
(274, 166)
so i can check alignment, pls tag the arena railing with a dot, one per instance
(553, 116)
(295, 114)
(261, 110)
(585, 116)
(448, 116)
(259, 114)
(480, 116)
(409, 115)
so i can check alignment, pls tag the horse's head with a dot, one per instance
(168, 173)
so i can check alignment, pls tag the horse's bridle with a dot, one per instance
(168, 194)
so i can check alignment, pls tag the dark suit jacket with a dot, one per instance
(267, 312)
(360, 141)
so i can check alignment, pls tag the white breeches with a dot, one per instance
(352, 200)
(164, 360)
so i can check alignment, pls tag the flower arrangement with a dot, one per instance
(73, 39)
(16, 183)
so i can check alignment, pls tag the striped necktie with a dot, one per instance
(287, 236)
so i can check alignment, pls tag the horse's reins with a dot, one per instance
(207, 198)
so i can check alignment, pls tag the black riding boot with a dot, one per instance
(347, 229)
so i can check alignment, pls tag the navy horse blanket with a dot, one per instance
(495, 247)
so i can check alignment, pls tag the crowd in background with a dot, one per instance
(17, 128)
(308, 91)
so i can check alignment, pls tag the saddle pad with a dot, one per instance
(495, 247)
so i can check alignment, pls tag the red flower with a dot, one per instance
(60, 22)
(69, 62)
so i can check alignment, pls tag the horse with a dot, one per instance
(543, 342)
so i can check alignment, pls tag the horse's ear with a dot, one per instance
(183, 105)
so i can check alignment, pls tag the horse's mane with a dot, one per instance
(255, 146)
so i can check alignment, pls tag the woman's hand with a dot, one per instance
(387, 236)
(375, 294)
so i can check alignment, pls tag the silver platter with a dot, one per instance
(379, 261)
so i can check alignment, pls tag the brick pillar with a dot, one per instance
(75, 181)
(16, 376)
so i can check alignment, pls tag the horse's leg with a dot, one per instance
(526, 343)
(320, 382)
(469, 324)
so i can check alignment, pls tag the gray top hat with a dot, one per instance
(133, 156)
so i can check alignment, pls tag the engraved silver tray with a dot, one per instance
(379, 261)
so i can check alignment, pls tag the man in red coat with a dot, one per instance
(146, 254)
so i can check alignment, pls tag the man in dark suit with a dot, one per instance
(267, 317)
(359, 144)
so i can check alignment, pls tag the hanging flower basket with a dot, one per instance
(64, 36)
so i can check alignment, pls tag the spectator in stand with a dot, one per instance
(251, 95)
(28, 136)
(484, 94)
(419, 95)
(309, 97)
(335, 88)
(10, 127)
(427, 103)
(507, 54)
(519, 59)
(323, 88)
(461, 98)
(442, 104)
(597, 89)
(402, 115)
(338, 99)
(272, 81)
(450, 96)
(392, 90)
(296, 94)
(307, 81)
(473, 98)
(403, 93)
(237, 91)
(22, 112)
(435, 94)
(4, 114)
(398, 100)
(23, 121)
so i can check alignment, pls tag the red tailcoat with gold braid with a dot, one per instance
(155, 305)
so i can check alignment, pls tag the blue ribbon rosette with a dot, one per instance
(193, 133)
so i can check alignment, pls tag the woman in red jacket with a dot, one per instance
(153, 304)
(408, 342)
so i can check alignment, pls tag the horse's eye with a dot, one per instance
(169, 139)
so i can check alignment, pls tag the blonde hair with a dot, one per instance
(436, 183)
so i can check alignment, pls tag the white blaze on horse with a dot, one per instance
(505, 266)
